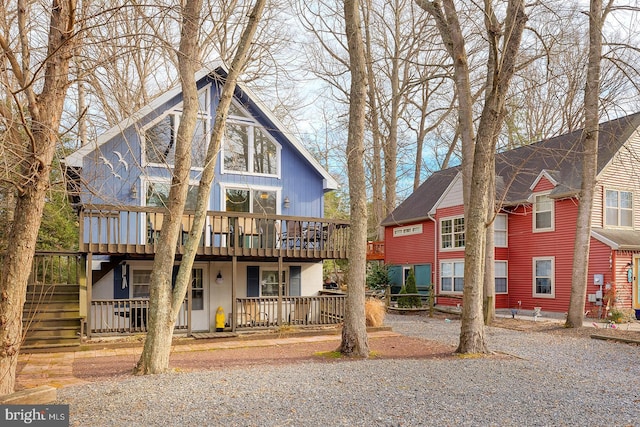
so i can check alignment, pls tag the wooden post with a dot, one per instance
(279, 320)
(387, 296)
(234, 307)
(89, 282)
(431, 301)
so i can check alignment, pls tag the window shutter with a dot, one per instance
(120, 282)
(423, 277)
(295, 281)
(253, 281)
(395, 278)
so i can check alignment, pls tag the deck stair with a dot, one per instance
(51, 316)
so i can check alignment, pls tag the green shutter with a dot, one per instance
(395, 278)
(423, 278)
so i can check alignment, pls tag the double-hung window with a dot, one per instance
(619, 208)
(500, 231)
(500, 277)
(452, 233)
(452, 276)
(160, 136)
(248, 147)
(140, 283)
(543, 213)
(269, 283)
(543, 277)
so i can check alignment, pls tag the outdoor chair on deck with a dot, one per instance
(251, 315)
(300, 313)
(154, 225)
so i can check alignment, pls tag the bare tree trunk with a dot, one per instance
(157, 345)
(378, 204)
(478, 169)
(489, 303)
(582, 241)
(41, 129)
(446, 18)
(175, 299)
(354, 332)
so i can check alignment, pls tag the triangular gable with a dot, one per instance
(632, 143)
(544, 181)
(451, 196)
(75, 159)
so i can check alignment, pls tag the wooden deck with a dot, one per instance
(112, 230)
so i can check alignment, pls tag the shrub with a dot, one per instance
(374, 311)
(377, 276)
(410, 288)
(403, 302)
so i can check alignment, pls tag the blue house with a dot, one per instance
(260, 255)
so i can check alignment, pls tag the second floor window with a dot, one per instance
(543, 213)
(500, 231)
(619, 208)
(160, 137)
(452, 233)
(248, 147)
(157, 195)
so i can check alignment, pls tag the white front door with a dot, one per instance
(199, 300)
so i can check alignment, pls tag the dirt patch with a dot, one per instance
(397, 347)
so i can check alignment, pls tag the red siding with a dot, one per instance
(543, 185)
(524, 245)
(413, 249)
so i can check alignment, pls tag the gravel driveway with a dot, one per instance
(550, 381)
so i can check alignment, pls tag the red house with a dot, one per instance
(537, 188)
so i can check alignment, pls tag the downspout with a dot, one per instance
(435, 256)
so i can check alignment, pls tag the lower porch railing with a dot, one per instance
(307, 310)
(126, 316)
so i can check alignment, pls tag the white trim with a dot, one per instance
(618, 209)
(251, 188)
(613, 245)
(251, 123)
(543, 173)
(534, 229)
(506, 230)
(452, 277)
(504, 261)
(552, 278)
(75, 159)
(144, 180)
(439, 231)
(407, 230)
(444, 194)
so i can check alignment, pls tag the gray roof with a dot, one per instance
(622, 240)
(516, 170)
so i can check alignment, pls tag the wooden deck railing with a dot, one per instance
(375, 251)
(309, 310)
(110, 316)
(135, 230)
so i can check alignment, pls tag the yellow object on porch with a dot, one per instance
(219, 319)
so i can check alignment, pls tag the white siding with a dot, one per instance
(453, 196)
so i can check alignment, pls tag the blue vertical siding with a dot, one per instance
(299, 180)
